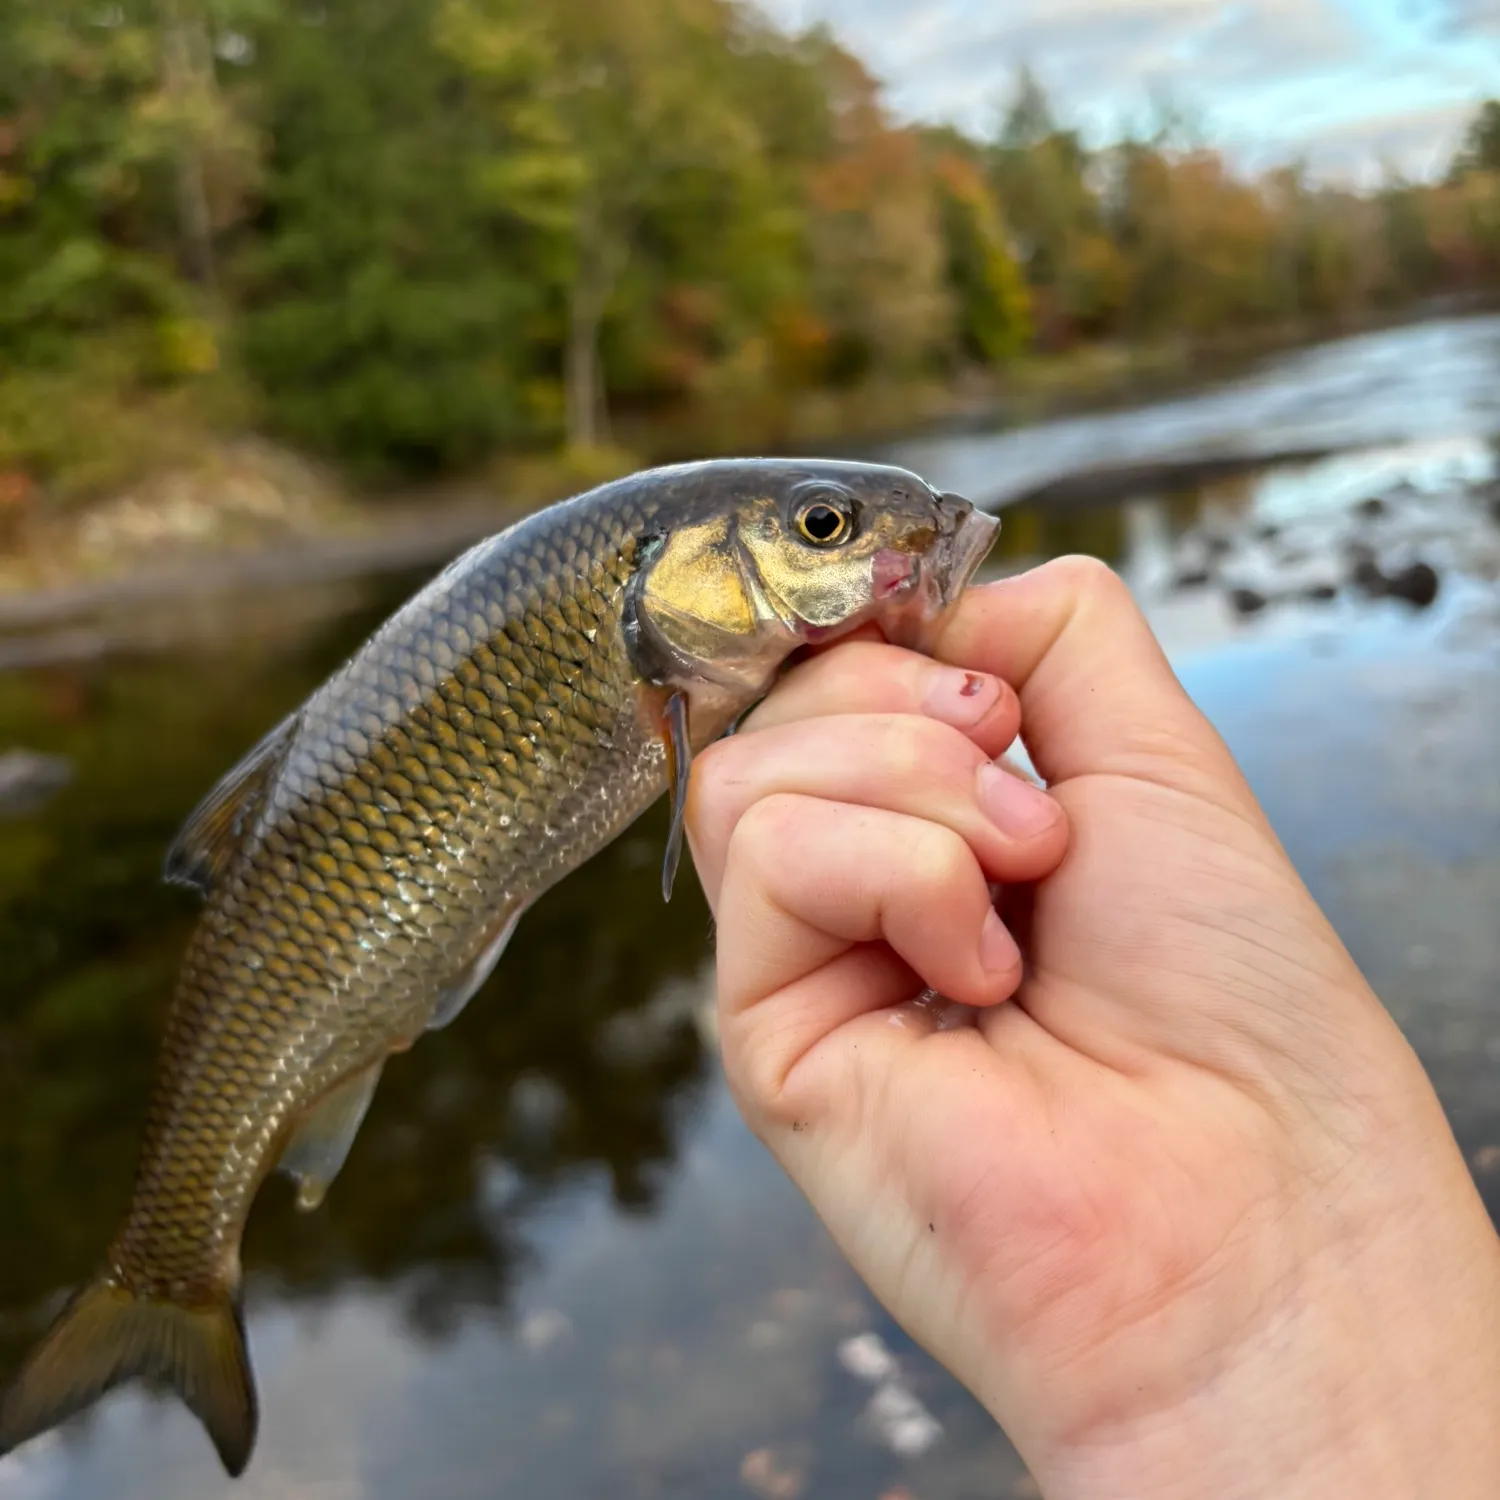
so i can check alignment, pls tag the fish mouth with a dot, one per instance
(938, 579)
(967, 547)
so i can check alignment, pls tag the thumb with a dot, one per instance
(1098, 695)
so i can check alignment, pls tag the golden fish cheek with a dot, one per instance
(802, 583)
(697, 579)
(693, 608)
(829, 591)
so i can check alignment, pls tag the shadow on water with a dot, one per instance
(556, 1263)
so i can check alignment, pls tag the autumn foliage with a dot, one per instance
(413, 233)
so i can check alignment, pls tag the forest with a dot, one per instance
(405, 236)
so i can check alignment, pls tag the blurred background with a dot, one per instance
(299, 297)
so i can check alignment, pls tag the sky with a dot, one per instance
(1344, 84)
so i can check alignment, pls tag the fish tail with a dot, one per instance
(108, 1334)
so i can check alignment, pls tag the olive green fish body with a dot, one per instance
(363, 867)
(491, 737)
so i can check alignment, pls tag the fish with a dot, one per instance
(363, 867)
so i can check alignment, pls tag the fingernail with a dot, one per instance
(1015, 807)
(997, 948)
(960, 698)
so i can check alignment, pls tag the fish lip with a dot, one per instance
(967, 549)
(939, 579)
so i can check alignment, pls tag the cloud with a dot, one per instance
(1415, 142)
(1264, 77)
(1455, 17)
(951, 58)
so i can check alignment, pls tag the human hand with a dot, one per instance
(1182, 1207)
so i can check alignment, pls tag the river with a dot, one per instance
(556, 1263)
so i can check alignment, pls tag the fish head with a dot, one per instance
(851, 544)
(758, 557)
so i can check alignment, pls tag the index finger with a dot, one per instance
(1098, 695)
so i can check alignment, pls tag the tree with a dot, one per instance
(1040, 178)
(190, 123)
(99, 247)
(1027, 120)
(992, 302)
(1480, 151)
(876, 248)
(396, 276)
(411, 233)
(631, 84)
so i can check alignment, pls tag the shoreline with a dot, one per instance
(321, 535)
(50, 623)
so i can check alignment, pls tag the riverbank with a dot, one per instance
(245, 508)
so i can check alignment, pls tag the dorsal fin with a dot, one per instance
(207, 841)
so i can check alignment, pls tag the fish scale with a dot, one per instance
(456, 863)
(363, 867)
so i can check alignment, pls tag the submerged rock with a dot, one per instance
(1392, 541)
(1418, 584)
(29, 780)
(1192, 576)
(1367, 577)
(765, 1473)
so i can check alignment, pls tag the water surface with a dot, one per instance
(556, 1263)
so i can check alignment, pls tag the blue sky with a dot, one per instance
(1344, 83)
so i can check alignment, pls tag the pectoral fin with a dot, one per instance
(212, 833)
(320, 1145)
(674, 726)
(468, 981)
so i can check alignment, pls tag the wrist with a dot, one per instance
(1343, 1391)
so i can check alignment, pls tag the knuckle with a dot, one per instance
(1090, 578)
(715, 778)
(760, 838)
(901, 749)
(752, 1087)
(764, 1065)
(916, 751)
(761, 1079)
(936, 858)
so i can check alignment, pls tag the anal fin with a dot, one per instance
(319, 1147)
(469, 980)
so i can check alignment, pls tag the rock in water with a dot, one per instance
(1418, 584)
(28, 780)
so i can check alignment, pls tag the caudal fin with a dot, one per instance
(107, 1335)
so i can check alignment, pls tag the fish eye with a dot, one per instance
(822, 524)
